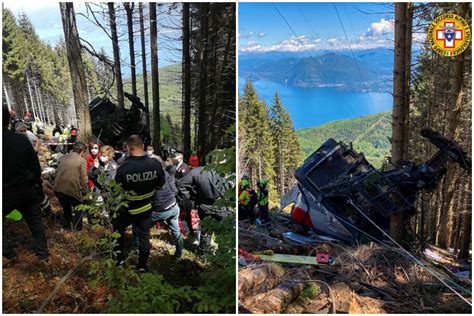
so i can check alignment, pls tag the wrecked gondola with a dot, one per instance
(112, 124)
(339, 194)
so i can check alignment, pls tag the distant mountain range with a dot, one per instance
(372, 72)
(368, 134)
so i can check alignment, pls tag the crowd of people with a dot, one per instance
(253, 205)
(162, 189)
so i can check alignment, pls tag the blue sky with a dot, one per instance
(262, 29)
(46, 18)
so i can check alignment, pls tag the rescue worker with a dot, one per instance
(21, 128)
(142, 175)
(125, 155)
(182, 168)
(150, 150)
(166, 209)
(21, 182)
(70, 185)
(28, 121)
(247, 201)
(262, 195)
(198, 190)
(193, 161)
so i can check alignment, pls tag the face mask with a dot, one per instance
(149, 152)
(104, 159)
(94, 151)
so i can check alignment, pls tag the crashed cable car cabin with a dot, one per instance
(339, 193)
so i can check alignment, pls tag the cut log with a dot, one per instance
(276, 300)
(249, 279)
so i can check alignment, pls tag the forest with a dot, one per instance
(421, 261)
(189, 105)
(268, 146)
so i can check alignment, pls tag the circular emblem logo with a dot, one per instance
(449, 35)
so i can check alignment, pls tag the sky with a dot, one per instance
(317, 26)
(46, 18)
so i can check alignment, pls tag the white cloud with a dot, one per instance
(381, 28)
(293, 44)
(333, 41)
(262, 34)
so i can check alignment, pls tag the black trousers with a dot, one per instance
(24, 198)
(72, 219)
(142, 222)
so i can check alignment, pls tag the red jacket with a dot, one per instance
(193, 161)
(90, 163)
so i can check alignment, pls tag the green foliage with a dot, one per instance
(256, 147)
(287, 151)
(215, 293)
(368, 134)
(152, 295)
(311, 291)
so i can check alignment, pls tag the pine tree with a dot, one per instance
(287, 151)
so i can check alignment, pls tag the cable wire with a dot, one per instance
(311, 56)
(353, 56)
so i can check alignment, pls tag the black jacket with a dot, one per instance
(166, 196)
(20, 162)
(142, 175)
(110, 172)
(202, 186)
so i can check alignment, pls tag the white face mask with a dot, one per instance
(149, 152)
(94, 151)
(104, 159)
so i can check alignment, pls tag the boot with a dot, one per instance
(197, 237)
(142, 261)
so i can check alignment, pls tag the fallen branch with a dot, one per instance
(61, 283)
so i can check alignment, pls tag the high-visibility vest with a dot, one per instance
(262, 198)
(246, 196)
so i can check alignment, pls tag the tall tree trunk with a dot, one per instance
(186, 84)
(217, 114)
(408, 46)
(7, 97)
(144, 70)
(129, 9)
(454, 115)
(398, 115)
(155, 88)
(76, 67)
(25, 102)
(466, 241)
(39, 103)
(116, 49)
(202, 135)
(32, 100)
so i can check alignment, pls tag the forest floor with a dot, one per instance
(27, 281)
(363, 279)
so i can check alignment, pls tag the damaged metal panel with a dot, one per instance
(336, 184)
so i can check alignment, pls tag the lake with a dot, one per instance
(315, 106)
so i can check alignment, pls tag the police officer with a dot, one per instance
(142, 175)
